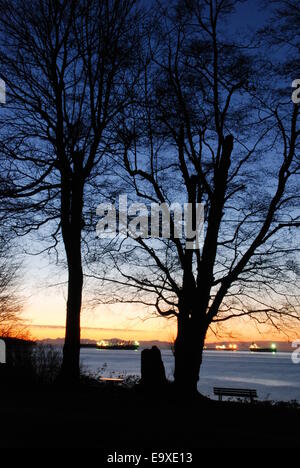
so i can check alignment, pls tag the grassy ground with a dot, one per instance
(116, 418)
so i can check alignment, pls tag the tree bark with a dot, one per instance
(188, 353)
(71, 351)
(72, 212)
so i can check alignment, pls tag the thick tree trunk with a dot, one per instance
(72, 209)
(188, 354)
(71, 352)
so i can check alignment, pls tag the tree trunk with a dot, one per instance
(188, 353)
(71, 351)
(72, 210)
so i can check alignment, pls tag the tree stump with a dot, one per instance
(152, 368)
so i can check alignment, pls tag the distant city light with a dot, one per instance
(230, 347)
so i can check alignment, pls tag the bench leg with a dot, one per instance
(220, 397)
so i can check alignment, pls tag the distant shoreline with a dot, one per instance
(282, 346)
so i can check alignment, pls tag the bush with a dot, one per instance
(37, 364)
(45, 363)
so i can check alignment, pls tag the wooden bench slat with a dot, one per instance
(111, 379)
(233, 391)
(238, 389)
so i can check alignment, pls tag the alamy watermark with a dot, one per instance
(2, 92)
(296, 93)
(157, 221)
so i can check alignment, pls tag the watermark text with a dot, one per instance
(157, 221)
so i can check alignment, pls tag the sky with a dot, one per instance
(45, 302)
(45, 305)
(44, 291)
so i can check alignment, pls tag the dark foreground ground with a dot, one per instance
(127, 420)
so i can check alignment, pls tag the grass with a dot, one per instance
(34, 412)
(124, 417)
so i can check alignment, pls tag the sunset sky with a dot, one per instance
(45, 302)
(45, 311)
(47, 315)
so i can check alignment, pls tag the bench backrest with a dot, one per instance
(235, 391)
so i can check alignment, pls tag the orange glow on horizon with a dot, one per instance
(40, 332)
(46, 313)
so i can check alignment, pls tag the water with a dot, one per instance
(274, 376)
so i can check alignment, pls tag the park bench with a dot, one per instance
(235, 392)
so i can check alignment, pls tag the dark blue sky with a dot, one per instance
(252, 13)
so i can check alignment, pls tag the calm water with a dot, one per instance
(274, 376)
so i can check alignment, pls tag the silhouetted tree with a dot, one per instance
(69, 69)
(211, 129)
(11, 323)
